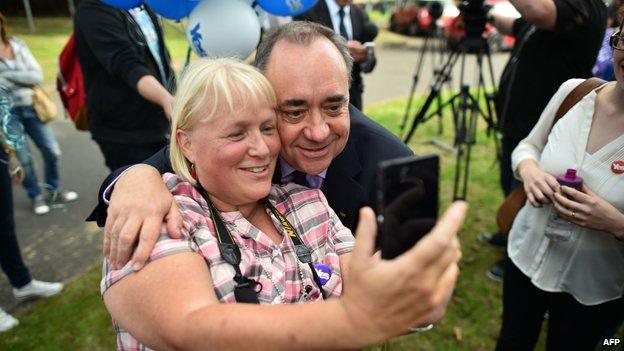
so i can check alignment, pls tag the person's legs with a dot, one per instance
(10, 257)
(574, 326)
(11, 261)
(25, 156)
(44, 138)
(523, 311)
(118, 155)
(507, 180)
(508, 184)
(355, 96)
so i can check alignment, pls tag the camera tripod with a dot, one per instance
(435, 45)
(465, 105)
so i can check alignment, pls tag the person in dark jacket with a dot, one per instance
(353, 24)
(128, 78)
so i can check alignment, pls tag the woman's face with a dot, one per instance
(234, 155)
(618, 65)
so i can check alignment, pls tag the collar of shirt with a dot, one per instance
(287, 172)
(333, 8)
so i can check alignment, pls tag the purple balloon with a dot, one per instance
(122, 4)
(172, 9)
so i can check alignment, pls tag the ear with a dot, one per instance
(183, 139)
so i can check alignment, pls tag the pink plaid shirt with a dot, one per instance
(276, 267)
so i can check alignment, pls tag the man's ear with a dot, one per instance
(184, 141)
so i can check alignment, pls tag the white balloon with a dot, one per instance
(223, 28)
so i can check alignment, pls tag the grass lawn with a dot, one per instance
(77, 320)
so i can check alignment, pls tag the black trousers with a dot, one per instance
(10, 257)
(507, 180)
(571, 325)
(355, 93)
(120, 154)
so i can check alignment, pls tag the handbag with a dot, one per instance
(515, 201)
(43, 104)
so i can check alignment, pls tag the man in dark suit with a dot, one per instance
(326, 143)
(352, 23)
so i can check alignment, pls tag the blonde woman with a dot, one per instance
(285, 247)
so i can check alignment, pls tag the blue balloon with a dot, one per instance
(172, 9)
(286, 7)
(122, 4)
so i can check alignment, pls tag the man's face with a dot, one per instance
(312, 91)
(343, 3)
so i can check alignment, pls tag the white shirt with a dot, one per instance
(333, 8)
(590, 267)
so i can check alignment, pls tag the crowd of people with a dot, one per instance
(261, 176)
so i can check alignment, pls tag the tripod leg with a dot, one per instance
(491, 107)
(435, 90)
(415, 79)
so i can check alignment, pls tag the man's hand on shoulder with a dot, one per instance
(138, 205)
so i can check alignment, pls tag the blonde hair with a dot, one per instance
(212, 87)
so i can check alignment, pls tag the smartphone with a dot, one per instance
(407, 201)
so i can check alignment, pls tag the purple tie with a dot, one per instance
(301, 179)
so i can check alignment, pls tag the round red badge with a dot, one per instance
(617, 167)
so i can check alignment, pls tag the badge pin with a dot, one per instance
(324, 272)
(617, 167)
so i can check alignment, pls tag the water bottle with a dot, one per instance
(557, 227)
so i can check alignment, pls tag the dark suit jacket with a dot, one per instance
(350, 182)
(363, 29)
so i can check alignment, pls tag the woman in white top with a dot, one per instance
(579, 281)
(19, 72)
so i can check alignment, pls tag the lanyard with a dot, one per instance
(246, 289)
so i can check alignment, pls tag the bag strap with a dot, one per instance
(516, 199)
(577, 94)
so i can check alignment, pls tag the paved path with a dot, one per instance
(61, 246)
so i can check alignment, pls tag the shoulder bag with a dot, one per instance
(513, 202)
(43, 104)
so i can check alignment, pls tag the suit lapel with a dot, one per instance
(324, 17)
(356, 23)
(344, 194)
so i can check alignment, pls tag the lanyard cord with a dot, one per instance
(246, 289)
(303, 253)
(232, 255)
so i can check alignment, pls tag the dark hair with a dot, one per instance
(3, 34)
(302, 33)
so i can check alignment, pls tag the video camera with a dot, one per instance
(475, 17)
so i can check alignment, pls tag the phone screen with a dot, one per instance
(407, 202)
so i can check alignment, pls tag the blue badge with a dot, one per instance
(323, 271)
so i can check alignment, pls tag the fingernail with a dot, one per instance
(136, 266)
